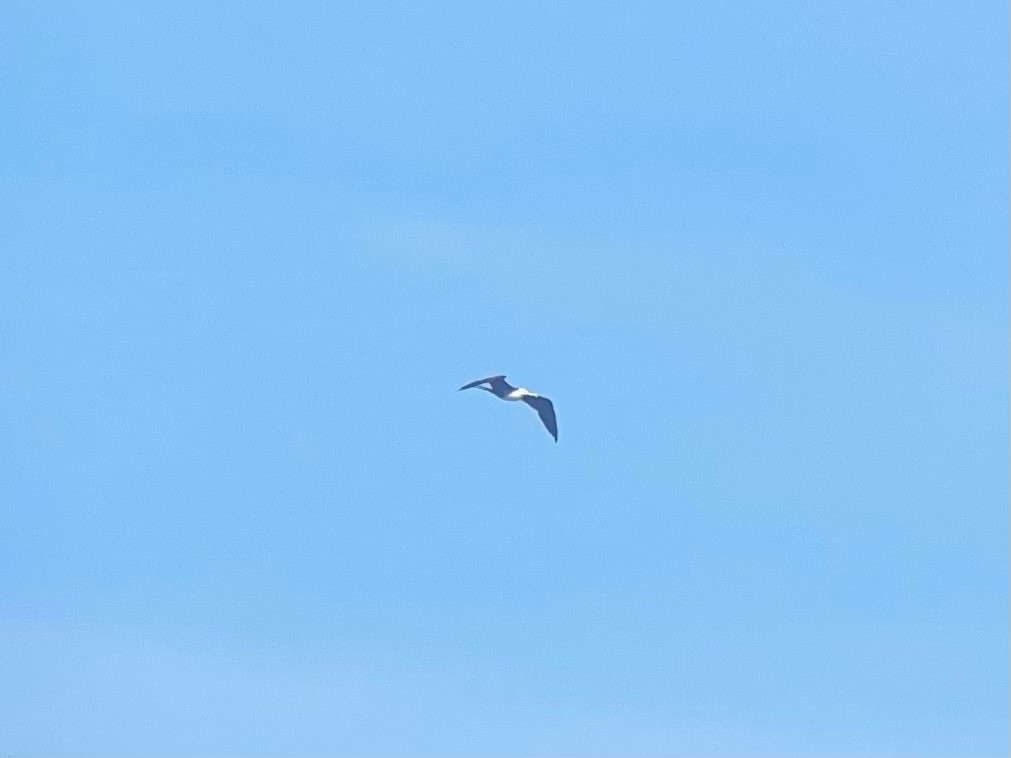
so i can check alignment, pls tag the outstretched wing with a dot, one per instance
(487, 380)
(545, 410)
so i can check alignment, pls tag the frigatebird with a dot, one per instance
(499, 387)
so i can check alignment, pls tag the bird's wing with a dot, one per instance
(500, 386)
(545, 410)
(486, 380)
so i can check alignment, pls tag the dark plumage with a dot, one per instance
(546, 410)
(498, 385)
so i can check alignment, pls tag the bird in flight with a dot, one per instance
(499, 387)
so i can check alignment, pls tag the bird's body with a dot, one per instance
(498, 386)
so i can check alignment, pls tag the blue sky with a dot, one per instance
(755, 252)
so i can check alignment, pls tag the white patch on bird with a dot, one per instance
(518, 394)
